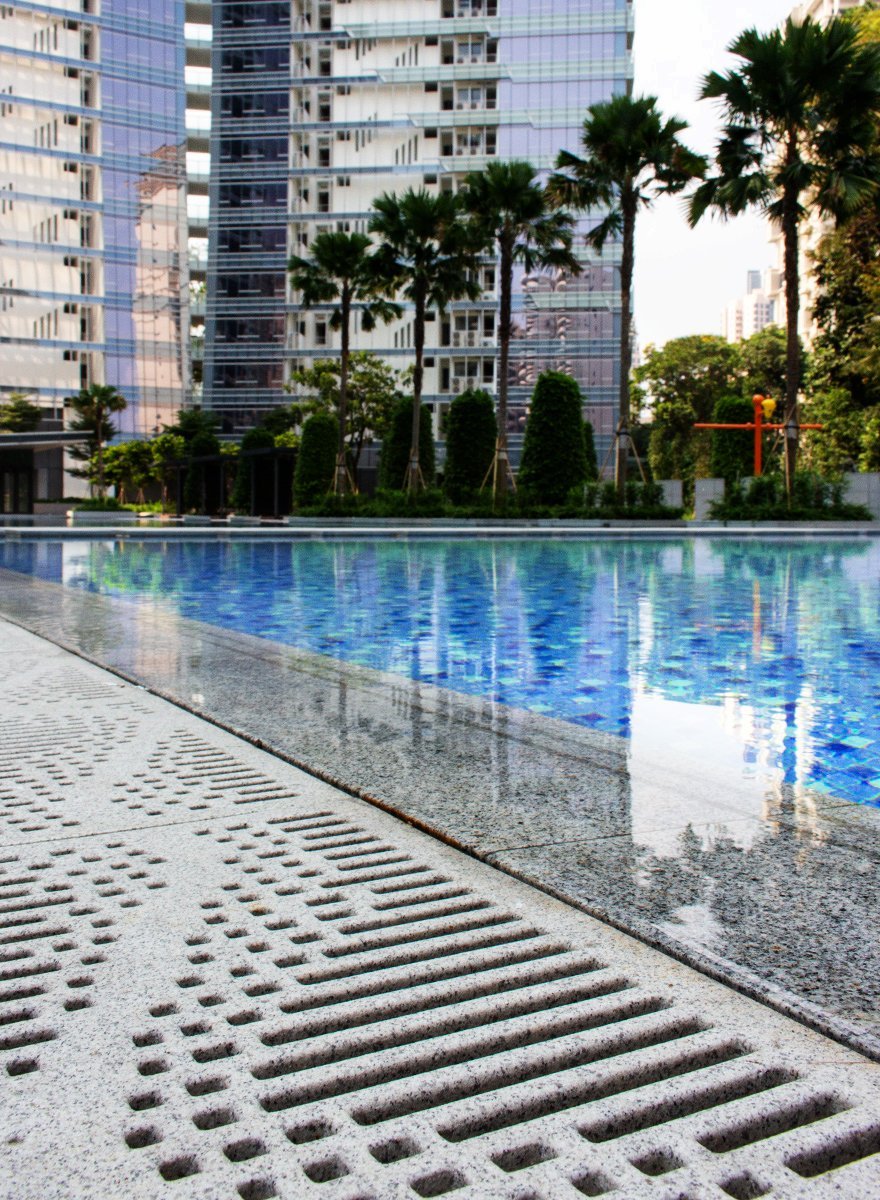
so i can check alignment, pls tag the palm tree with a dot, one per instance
(340, 272)
(633, 155)
(93, 406)
(431, 254)
(510, 209)
(800, 132)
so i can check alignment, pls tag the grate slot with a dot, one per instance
(836, 1153)
(448, 949)
(654, 1069)
(551, 1060)
(781, 1120)
(711, 1096)
(396, 1007)
(448, 929)
(377, 1040)
(435, 913)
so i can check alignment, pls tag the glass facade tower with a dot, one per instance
(321, 105)
(93, 273)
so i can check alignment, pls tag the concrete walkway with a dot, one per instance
(222, 977)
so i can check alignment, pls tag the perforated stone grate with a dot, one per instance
(255, 986)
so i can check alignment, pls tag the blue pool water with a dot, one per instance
(782, 637)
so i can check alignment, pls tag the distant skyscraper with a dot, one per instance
(755, 310)
(319, 107)
(92, 204)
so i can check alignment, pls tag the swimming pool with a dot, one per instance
(771, 647)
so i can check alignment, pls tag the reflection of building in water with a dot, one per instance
(92, 100)
(387, 96)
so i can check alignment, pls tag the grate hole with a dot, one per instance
(163, 1010)
(326, 1169)
(245, 1018)
(153, 1066)
(309, 1131)
(214, 1118)
(144, 1100)
(244, 1150)
(784, 1119)
(195, 1027)
(151, 1038)
(214, 1053)
(76, 1005)
(439, 1183)
(204, 1087)
(394, 1150)
(148, 1135)
(22, 1066)
(744, 1187)
(837, 1153)
(258, 1189)
(592, 1183)
(179, 1168)
(522, 1157)
(660, 1162)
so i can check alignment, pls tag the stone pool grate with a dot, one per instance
(231, 980)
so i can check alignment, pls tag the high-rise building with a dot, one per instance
(93, 271)
(755, 310)
(198, 132)
(319, 106)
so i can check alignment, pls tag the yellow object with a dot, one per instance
(769, 407)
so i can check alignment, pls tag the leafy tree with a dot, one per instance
(167, 450)
(763, 359)
(397, 448)
(801, 115)
(471, 442)
(341, 273)
(684, 380)
(130, 465)
(374, 388)
(315, 463)
(202, 445)
(839, 446)
(191, 422)
(93, 408)
(259, 438)
(19, 415)
(733, 451)
(430, 254)
(590, 452)
(632, 156)
(554, 458)
(870, 456)
(511, 212)
(846, 352)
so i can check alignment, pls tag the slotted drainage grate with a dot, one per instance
(254, 986)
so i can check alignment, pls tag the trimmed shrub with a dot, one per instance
(554, 459)
(471, 432)
(316, 460)
(195, 489)
(242, 491)
(733, 450)
(394, 458)
(812, 499)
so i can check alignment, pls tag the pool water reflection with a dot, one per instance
(766, 654)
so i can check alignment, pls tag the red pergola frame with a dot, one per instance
(758, 425)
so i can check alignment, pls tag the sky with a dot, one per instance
(684, 278)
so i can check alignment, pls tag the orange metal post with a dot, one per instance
(758, 402)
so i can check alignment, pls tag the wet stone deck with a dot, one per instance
(223, 977)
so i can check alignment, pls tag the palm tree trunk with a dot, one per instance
(621, 457)
(414, 481)
(99, 438)
(793, 348)
(502, 464)
(340, 481)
